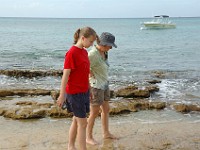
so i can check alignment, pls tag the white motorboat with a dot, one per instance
(159, 22)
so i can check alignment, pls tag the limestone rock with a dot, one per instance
(25, 113)
(2, 111)
(134, 105)
(23, 92)
(31, 73)
(152, 88)
(45, 105)
(186, 108)
(24, 103)
(57, 112)
(33, 110)
(10, 113)
(131, 92)
(55, 94)
(157, 105)
(159, 74)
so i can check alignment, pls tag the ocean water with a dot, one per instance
(40, 44)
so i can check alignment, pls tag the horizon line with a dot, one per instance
(97, 18)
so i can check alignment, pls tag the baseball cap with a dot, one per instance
(107, 39)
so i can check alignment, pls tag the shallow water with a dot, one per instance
(31, 43)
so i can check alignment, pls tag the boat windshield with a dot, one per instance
(162, 16)
(161, 19)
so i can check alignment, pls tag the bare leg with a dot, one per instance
(72, 135)
(105, 120)
(81, 134)
(94, 111)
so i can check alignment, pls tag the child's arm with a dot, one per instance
(65, 77)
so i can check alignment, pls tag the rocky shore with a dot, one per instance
(127, 99)
(30, 118)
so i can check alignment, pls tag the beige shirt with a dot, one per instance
(99, 68)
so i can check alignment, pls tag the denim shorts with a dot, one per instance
(78, 104)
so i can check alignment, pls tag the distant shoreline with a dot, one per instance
(88, 18)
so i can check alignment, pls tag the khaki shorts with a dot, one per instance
(99, 96)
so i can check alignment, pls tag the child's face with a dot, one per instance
(106, 48)
(87, 42)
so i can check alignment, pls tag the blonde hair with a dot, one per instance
(86, 32)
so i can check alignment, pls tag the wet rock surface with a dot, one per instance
(185, 108)
(33, 110)
(23, 92)
(127, 92)
(135, 92)
(31, 73)
(124, 100)
(134, 105)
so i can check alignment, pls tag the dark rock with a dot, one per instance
(112, 93)
(153, 81)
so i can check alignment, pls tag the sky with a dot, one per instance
(99, 8)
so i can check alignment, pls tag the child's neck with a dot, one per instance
(99, 49)
(79, 45)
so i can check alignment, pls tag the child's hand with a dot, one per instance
(60, 101)
(91, 74)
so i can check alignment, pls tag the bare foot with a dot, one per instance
(91, 141)
(110, 136)
(71, 148)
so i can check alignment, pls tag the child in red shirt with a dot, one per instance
(75, 85)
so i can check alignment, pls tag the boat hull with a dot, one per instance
(159, 25)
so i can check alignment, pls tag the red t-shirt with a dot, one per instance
(77, 60)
